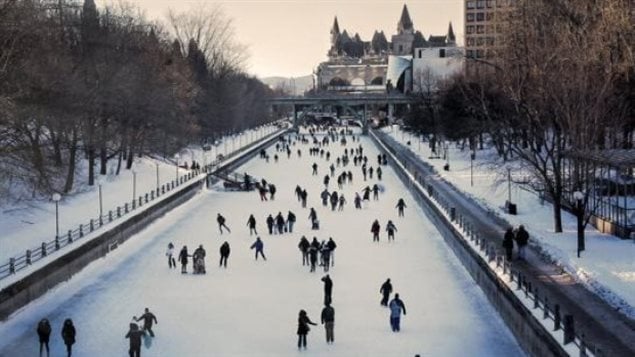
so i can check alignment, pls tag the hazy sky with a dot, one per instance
(290, 37)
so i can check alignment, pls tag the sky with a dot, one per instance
(290, 38)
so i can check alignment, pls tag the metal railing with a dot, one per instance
(35, 254)
(553, 316)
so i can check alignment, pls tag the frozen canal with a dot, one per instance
(251, 308)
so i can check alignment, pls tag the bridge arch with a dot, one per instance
(379, 80)
(338, 81)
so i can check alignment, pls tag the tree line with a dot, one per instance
(560, 83)
(80, 87)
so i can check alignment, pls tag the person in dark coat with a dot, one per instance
(198, 260)
(313, 257)
(290, 221)
(334, 200)
(68, 335)
(385, 290)
(508, 243)
(366, 193)
(374, 229)
(303, 328)
(522, 239)
(326, 256)
(298, 192)
(328, 320)
(379, 172)
(262, 191)
(313, 216)
(221, 223)
(304, 248)
(325, 195)
(327, 179)
(272, 191)
(148, 319)
(328, 289)
(270, 222)
(358, 201)
(134, 334)
(44, 334)
(396, 307)
(259, 247)
(280, 223)
(315, 167)
(375, 192)
(183, 259)
(251, 223)
(304, 198)
(331, 246)
(391, 229)
(224, 254)
(400, 206)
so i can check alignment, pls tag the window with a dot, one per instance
(480, 53)
(480, 4)
(470, 41)
(469, 17)
(480, 41)
(490, 3)
(469, 29)
(442, 53)
(480, 29)
(470, 4)
(469, 53)
(480, 16)
(490, 41)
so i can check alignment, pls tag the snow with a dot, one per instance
(251, 307)
(607, 266)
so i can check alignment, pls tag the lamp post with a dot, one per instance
(177, 157)
(157, 165)
(56, 198)
(472, 157)
(134, 185)
(101, 206)
(579, 200)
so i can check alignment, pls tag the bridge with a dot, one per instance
(352, 103)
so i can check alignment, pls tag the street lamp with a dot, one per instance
(579, 199)
(472, 157)
(134, 185)
(56, 198)
(177, 157)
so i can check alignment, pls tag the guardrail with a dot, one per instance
(31, 256)
(549, 314)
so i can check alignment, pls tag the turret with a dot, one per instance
(405, 23)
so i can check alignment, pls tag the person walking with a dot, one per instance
(148, 319)
(134, 335)
(251, 223)
(400, 206)
(325, 195)
(198, 260)
(357, 201)
(170, 254)
(375, 192)
(259, 247)
(379, 172)
(44, 334)
(290, 221)
(272, 191)
(183, 259)
(314, 219)
(522, 239)
(396, 307)
(508, 243)
(224, 254)
(342, 202)
(313, 257)
(270, 221)
(303, 328)
(68, 336)
(315, 169)
(280, 223)
(385, 290)
(334, 200)
(221, 223)
(304, 248)
(328, 320)
(331, 246)
(374, 229)
(391, 229)
(326, 256)
(328, 289)
(304, 198)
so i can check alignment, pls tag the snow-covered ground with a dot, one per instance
(26, 225)
(606, 267)
(251, 308)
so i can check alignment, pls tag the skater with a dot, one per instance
(342, 201)
(272, 191)
(379, 172)
(508, 243)
(68, 335)
(327, 179)
(304, 197)
(304, 248)
(315, 167)
(262, 191)
(366, 196)
(251, 223)
(374, 229)
(385, 290)
(370, 172)
(224, 254)
(357, 201)
(400, 206)
(331, 246)
(328, 289)
(280, 223)
(334, 200)
(183, 259)
(391, 229)
(375, 192)
(298, 192)
(396, 307)
(198, 260)
(522, 238)
(303, 328)
(270, 221)
(170, 254)
(44, 334)
(134, 334)
(313, 217)
(313, 257)
(325, 195)
(259, 247)
(328, 320)
(290, 221)
(148, 319)
(221, 223)
(326, 256)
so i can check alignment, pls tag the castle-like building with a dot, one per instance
(353, 62)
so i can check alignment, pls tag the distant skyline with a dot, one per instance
(289, 38)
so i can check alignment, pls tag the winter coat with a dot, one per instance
(328, 284)
(258, 245)
(390, 228)
(331, 245)
(303, 324)
(396, 306)
(386, 288)
(183, 256)
(291, 217)
(508, 240)
(68, 332)
(135, 336)
(375, 228)
(522, 237)
(328, 314)
(304, 245)
(44, 330)
(148, 319)
(220, 219)
(224, 249)
(270, 221)
(251, 222)
(200, 253)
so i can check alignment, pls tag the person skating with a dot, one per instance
(400, 206)
(314, 219)
(375, 192)
(366, 193)
(379, 173)
(328, 289)
(198, 260)
(224, 254)
(183, 255)
(303, 328)
(134, 335)
(304, 198)
(44, 334)
(326, 256)
(522, 239)
(251, 223)
(280, 223)
(326, 181)
(262, 191)
(391, 229)
(328, 320)
(358, 201)
(298, 192)
(148, 319)
(221, 223)
(315, 169)
(68, 336)
(270, 222)
(374, 229)
(170, 254)
(290, 221)
(313, 257)
(334, 200)
(259, 247)
(385, 290)
(325, 195)
(304, 248)
(342, 202)
(331, 246)
(350, 177)
(370, 172)
(396, 307)
(508, 243)
(272, 191)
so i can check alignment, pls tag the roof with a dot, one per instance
(405, 22)
(624, 158)
(437, 41)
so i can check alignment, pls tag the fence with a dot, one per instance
(16, 264)
(550, 314)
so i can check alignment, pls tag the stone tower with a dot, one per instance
(402, 41)
(450, 37)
